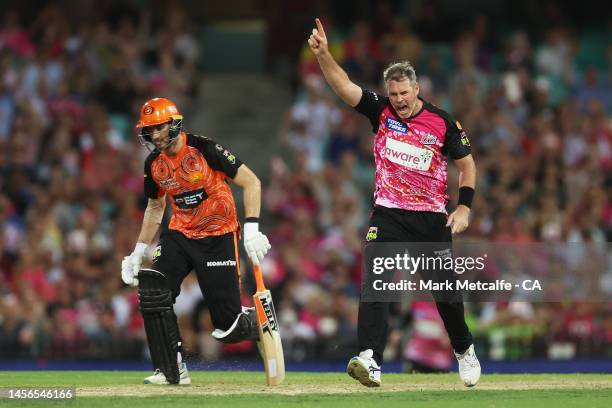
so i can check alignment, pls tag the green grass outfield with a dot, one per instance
(247, 389)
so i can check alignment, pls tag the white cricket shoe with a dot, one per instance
(469, 367)
(158, 378)
(364, 369)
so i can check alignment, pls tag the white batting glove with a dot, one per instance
(255, 243)
(131, 265)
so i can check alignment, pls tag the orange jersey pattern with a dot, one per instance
(196, 181)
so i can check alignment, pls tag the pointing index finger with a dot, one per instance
(320, 27)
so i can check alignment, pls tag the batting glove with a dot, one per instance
(255, 243)
(131, 265)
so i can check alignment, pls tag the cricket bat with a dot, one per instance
(269, 337)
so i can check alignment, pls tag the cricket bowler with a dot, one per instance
(412, 138)
(202, 236)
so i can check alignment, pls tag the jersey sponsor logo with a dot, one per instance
(169, 184)
(190, 199)
(229, 262)
(396, 125)
(407, 155)
(372, 234)
(443, 253)
(429, 139)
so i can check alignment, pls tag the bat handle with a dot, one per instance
(259, 278)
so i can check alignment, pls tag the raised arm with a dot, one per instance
(336, 77)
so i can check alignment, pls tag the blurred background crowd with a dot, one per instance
(533, 94)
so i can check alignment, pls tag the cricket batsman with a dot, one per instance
(412, 138)
(202, 236)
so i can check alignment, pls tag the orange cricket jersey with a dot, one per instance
(196, 181)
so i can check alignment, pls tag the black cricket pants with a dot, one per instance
(396, 225)
(216, 264)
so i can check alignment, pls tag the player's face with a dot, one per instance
(403, 96)
(159, 135)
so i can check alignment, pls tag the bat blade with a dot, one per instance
(269, 338)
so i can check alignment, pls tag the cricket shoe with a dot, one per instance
(158, 378)
(469, 367)
(364, 369)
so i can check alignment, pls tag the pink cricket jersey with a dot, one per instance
(410, 154)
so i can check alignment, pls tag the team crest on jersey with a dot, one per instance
(429, 139)
(372, 234)
(195, 177)
(396, 125)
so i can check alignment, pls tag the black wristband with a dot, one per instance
(466, 195)
(251, 219)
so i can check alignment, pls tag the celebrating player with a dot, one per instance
(412, 138)
(202, 235)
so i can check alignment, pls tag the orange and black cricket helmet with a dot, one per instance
(155, 112)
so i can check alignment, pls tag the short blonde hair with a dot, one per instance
(399, 71)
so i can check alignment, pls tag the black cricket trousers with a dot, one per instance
(396, 225)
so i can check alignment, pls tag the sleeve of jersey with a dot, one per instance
(220, 159)
(371, 106)
(151, 188)
(456, 143)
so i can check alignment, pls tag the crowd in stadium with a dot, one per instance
(71, 197)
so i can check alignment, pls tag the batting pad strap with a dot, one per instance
(154, 295)
(243, 328)
(221, 335)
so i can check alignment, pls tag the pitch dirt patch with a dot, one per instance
(289, 388)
